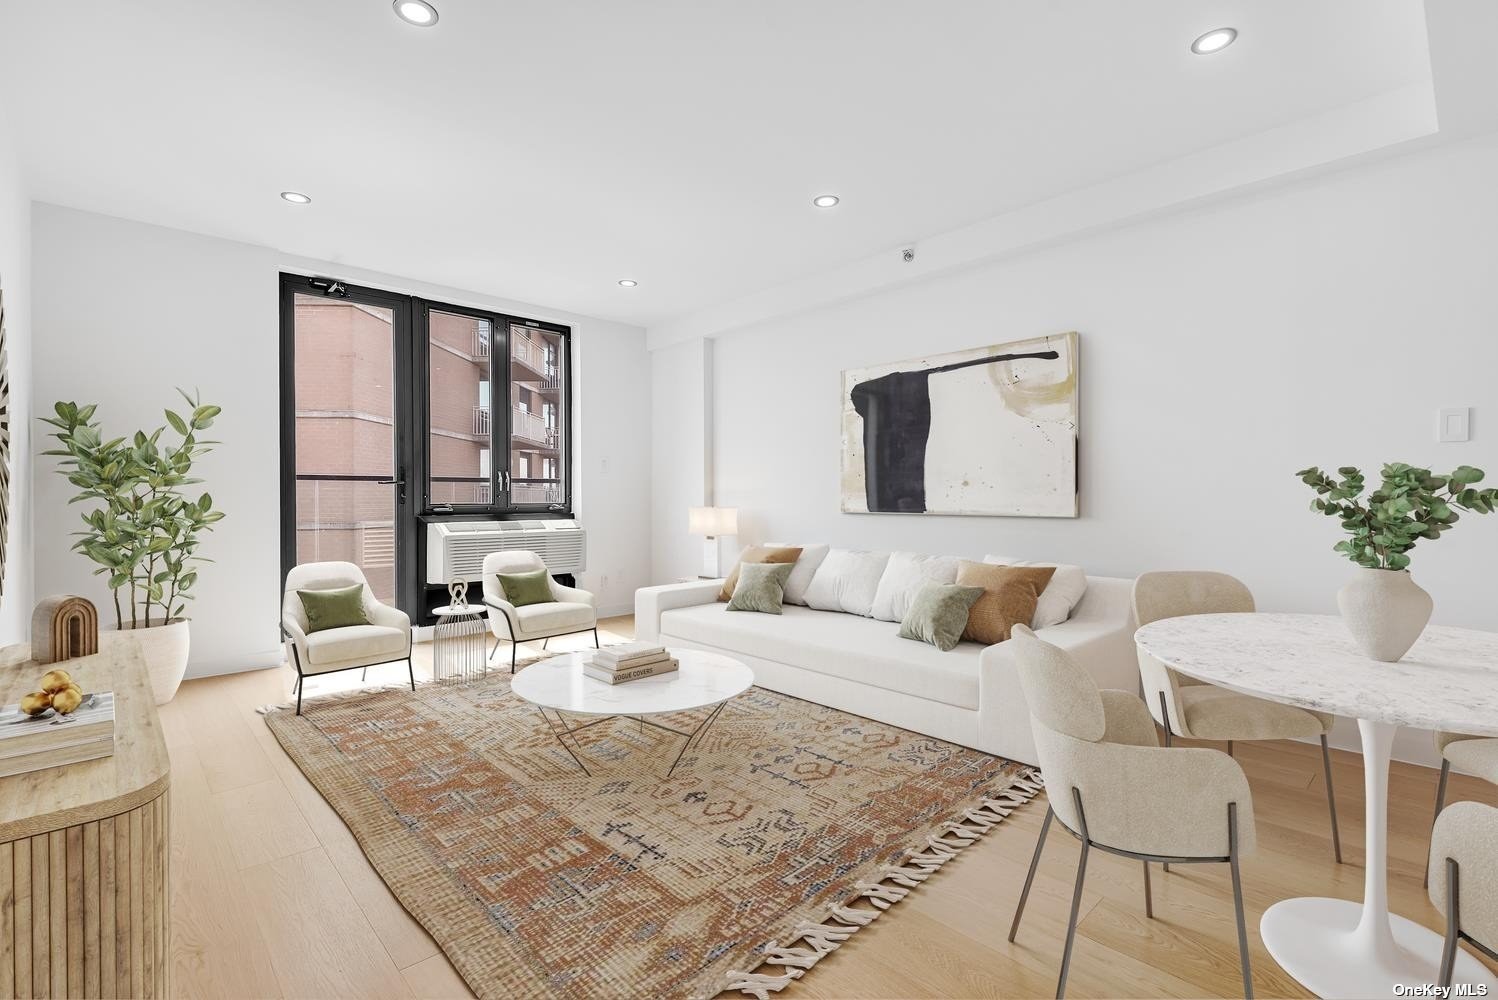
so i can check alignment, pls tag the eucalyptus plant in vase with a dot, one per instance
(1384, 608)
(143, 528)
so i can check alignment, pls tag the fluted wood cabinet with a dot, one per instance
(84, 849)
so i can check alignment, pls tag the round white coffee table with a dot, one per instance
(1449, 680)
(558, 684)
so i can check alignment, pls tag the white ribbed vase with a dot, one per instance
(1385, 610)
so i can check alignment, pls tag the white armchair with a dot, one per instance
(386, 639)
(569, 611)
(1114, 788)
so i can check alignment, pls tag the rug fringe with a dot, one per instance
(894, 883)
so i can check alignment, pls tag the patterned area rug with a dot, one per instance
(786, 829)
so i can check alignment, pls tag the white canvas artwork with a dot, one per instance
(988, 431)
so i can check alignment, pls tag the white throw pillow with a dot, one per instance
(806, 568)
(1060, 597)
(846, 581)
(904, 574)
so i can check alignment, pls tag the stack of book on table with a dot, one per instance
(30, 743)
(629, 662)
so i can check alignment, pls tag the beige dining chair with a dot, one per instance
(1476, 755)
(1192, 709)
(1113, 787)
(1464, 879)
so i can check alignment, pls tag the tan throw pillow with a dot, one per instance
(756, 554)
(1009, 597)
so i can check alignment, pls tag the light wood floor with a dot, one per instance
(273, 897)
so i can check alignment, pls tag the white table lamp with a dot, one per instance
(712, 523)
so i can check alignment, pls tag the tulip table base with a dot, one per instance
(1338, 948)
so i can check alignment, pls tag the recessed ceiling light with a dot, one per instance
(417, 12)
(1214, 41)
(296, 197)
(825, 200)
(628, 282)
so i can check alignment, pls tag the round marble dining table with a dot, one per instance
(1448, 680)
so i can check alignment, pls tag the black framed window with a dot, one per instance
(496, 393)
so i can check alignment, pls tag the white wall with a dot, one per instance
(1221, 351)
(127, 311)
(15, 280)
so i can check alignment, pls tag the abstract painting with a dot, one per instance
(988, 431)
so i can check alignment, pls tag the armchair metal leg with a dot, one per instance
(363, 675)
(595, 638)
(1076, 899)
(1453, 922)
(1248, 978)
(1149, 900)
(497, 641)
(514, 648)
(1331, 801)
(1230, 748)
(545, 641)
(1019, 910)
(1440, 804)
(412, 671)
(299, 697)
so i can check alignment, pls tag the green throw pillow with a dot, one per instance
(938, 614)
(761, 587)
(338, 608)
(527, 588)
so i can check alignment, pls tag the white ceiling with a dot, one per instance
(542, 149)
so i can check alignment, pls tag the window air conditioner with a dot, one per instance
(456, 549)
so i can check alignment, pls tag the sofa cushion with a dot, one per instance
(355, 642)
(938, 614)
(1060, 597)
(806, 568)
(904, 575)
(840, 645)
(756, 554)
(847, 581)
(1010, 596)
(761, 588)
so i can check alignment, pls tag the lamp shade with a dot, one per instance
(713, 521)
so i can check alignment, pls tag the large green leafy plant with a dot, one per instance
(145, 529)
(1410, 504)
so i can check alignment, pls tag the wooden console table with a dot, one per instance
(84, 848)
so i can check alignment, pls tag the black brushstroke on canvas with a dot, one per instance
(896, 412)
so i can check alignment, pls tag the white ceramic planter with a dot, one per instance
(165, 649)
(1385, 610)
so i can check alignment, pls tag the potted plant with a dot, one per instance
(1384, 608)
(144, 529)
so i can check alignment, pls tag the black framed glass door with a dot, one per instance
(345, 446)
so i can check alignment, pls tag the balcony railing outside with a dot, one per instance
(533, 427)
(533, 491)
(481, 341)
(528, 353)
(481, 421)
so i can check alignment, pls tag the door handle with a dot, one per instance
(401, 483)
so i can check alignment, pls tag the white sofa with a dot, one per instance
(969, 695)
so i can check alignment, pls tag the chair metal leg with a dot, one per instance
(410, 669)
(1076, 900)
(545, 641)
(1331, 799)
(497, 641)
(1453, 922)
(1149, 901)
(363, 675)
(1230, 748)
(595, 638)
(299, 696)
(1019, 911)
(1440, 804)
(1248, 978)
(514, 648)
(1165, 725)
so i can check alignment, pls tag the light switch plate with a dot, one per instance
(1455, 425)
